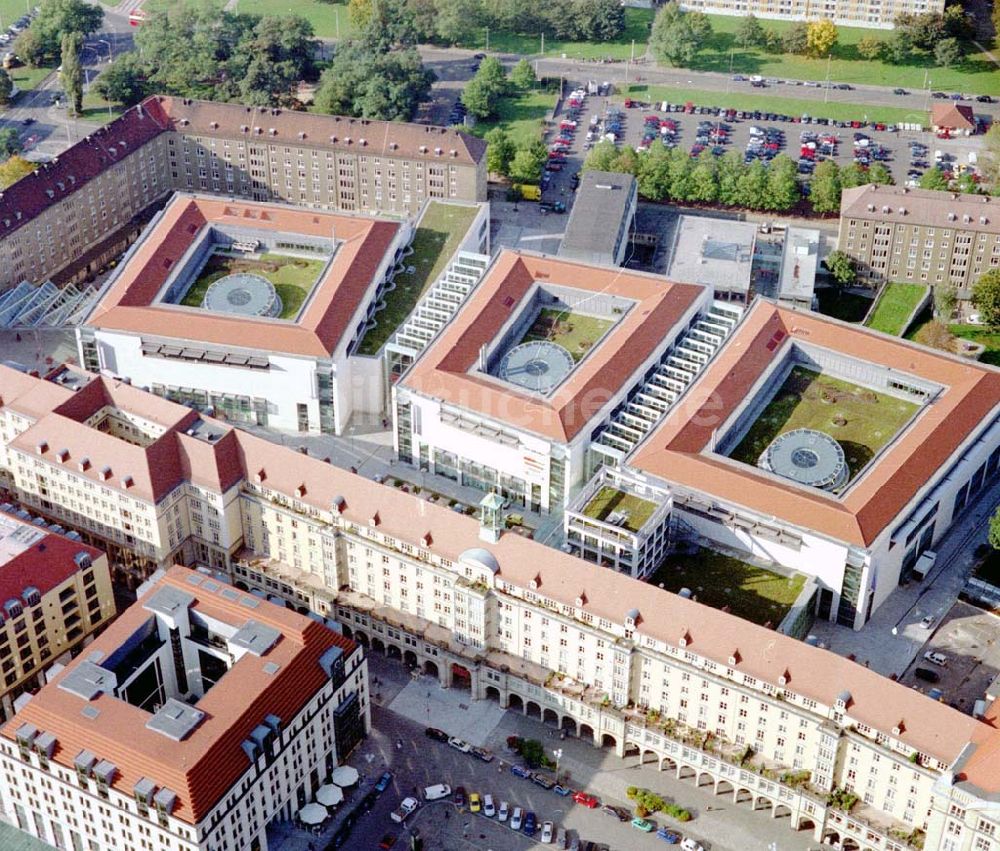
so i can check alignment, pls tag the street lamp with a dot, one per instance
(557, 753)
(110, 51)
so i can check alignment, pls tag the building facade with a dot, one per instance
(97, 193)
(150, 742)
(870, 14)
(57, 594)
(893, 233)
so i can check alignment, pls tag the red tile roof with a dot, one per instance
(129, 304)
(679, 450)
(446, 369)
(955, 116)
(202, 768)
(45, 565)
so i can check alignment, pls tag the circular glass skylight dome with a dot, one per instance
(243, 294)
(538, 365)
(808, 457)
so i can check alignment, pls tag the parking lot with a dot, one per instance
(966, 637)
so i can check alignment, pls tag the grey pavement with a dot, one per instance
(891, 640)
(38, 348)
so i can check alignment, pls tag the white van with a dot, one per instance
(437, 792)
(936, 658)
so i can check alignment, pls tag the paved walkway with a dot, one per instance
(893, 637)
(424, 701)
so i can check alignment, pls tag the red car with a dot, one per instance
(586, 800)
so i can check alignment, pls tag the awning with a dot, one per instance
(313, 814)
(345, 775)
(329, 795)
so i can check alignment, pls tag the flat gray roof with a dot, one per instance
(716, 252)
(175, 720)
(594, 222)
(798, 263)
(255, 637)
(88, 680)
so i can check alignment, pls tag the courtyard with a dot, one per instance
(575, 332)
(437, 238)
(633, 511)
(724, 582)
(293, 277)
(860, 419)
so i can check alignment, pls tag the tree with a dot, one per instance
(627, 161)
(602, 20)
(824, 194)
(654, 174)
(675, 35)
(483, 92)
(986, 298)
(728, 171)
(499, 151)
(751, 186)
(10, 142)
(880, 174)
(601, 157)
(966, 182)
(870, 48)
(821, 36)
(14, 169)
(945, 301)
(390, 24)
(989, 161)
(55, 19)
(526, 166)
(522, 75)
(362, 83)
(749, 32)
(703, 184)
(852, 175)
(360, 12)
(72, 71)
(796, 39)
(841, 267)
(958, 23)
(679, 168)
(6, 87)
(123, 81)
(457, 20)
(933, 178)
(948, 52)
(899, 47)
(782, 184)
(994, 533)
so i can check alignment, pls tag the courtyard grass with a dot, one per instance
(861, 420)
(575, 332)
(329, 20)
(438, 235)
(737, 99)
(895, 306)
(522, 116)
(975, 74)
(752, 593)
(849, 307)
(607, 500)
(983, 335)
(293, 278)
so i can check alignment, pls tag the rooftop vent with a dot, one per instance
(898, 729)
(535, 582)
(885, 208)
(437, 151)
(871, 208)
(951, 217)
(302, 134)
(301, 489)
(426, 540)
(967, 218)
(272, 131)
(244, 128)
(734, 659)
(260, 476)
(213, 124)
(685, 639)
(902, 211)
(393, 146)
(362, 142)
(581, 601)
(338, 505)
(374, 520)
(784, 678)
(423, 149)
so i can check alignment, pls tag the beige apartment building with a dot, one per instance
(55, 592)
(760, 717)
(872, 14)
(920, 236)
(78, 212)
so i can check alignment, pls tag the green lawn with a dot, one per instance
(26, 78)
(980, 334)
(637, 24)
(95, 108)
(895, 306)
(523, 116)
(975, 75)
(739, 99)
(861, 420)
(750, 592)
(438, 236)
(607, 500)
(293, 278)
(846, 306)
(575, 332)
(325, 17)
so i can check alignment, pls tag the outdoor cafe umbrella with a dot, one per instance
(345, 775)
(329, 795)
(312, 814)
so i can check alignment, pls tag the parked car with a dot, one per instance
(483, 754)
(586, 800)
(936, 658)
(504, 812)
(459, 744)
(927, 675)
(516, 818)
(690, 844)
(927, 621)
(547, 831)
(436, 734)
(387, 841)
(437, 792)
(619, 813)
(899, 91)
(643, 825)
(520, 771)
(383, 782)
(489, 809)
(459, 797)
(542, 780)
(475, 803)
(671, 837)
(562, 790)
(530, 824)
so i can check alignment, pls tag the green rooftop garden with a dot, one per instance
(861, 420)
(895, 306)
(721, 581)
(293, 277)
(437, 238)
(609, 501)
(575, 332)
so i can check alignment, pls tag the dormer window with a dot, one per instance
(685, 639)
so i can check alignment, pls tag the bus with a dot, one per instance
(136, 18)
